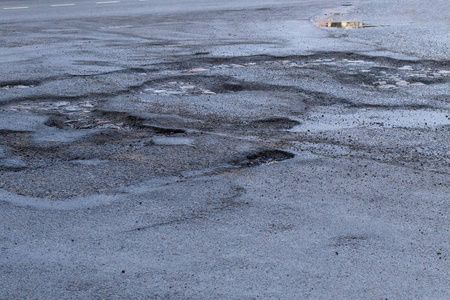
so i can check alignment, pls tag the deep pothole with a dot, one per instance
(277, 123)
(263, 157)
(193, 85)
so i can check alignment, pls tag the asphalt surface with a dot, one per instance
(224, 150)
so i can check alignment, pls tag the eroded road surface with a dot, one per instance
(224, 150)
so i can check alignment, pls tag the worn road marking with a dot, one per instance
(59, 5)
(67, 4)
(17, 7)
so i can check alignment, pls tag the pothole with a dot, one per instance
(178, 88)
(200, 85)
(51, 106)
(367, 72)
(373, 74)
(263, 157)
(76, 115)
(162, 130)
(232, 87)
(275, 123)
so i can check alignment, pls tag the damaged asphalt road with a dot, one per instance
(221, 152)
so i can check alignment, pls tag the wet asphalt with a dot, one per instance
(224, 150)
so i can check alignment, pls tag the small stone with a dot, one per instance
(88, 126)
(159, 91)
(387, 87)
(197, 70)
(380, 83)
(87, 105)
(402, 83)
(416, 84)
(208, 92)
(409, 68)
(187, 87)
(61, 103)
(175, 93)
(73, 108)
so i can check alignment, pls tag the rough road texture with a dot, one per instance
(232, 151)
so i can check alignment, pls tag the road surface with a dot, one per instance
(224, 149)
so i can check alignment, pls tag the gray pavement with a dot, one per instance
(224, 150)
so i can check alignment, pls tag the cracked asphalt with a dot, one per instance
(224, 150)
